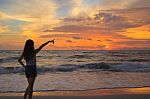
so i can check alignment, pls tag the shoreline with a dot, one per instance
(119, 93)
(93, 92)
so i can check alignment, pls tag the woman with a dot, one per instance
(29, 54)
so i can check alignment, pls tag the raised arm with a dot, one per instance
(44, 44)
(20, 60)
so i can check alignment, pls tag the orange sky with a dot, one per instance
(76, 24)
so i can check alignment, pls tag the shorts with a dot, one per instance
(30, 71)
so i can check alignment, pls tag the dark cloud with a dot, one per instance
(77, 38)
(73, 29)
(134, 42)
(89, 39)
(108, 40)
(134, 16)
(69, 41)
(101, 46)
(117, 23)
(58, 35)
(99, 40)
(76, 19)
(45, 36)
(140, 4)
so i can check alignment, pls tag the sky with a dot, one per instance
(76, 24)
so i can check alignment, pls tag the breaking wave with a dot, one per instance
(3, 60)
(124, 67)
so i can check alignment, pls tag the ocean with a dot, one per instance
(77, 70)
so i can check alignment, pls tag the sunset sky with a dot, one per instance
(76, 24)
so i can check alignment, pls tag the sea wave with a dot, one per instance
(124, 67)
(79, 56)
(132, 67)
(9, 59)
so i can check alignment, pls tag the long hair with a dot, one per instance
(28, 52)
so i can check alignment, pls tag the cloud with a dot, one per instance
(99, 40)
(101, 46)
(87, 7)
(89, 39)
(3, 29)
(42, 15)
(59, 35)
(77, 38)
(109, 40)
(72, 29)
(3, 16)
(37, 15)
(69, 41)
(81, 38)
(133, 43)
(119, 23)
(135, 14)
(140, 4)
(138, 32)
(31, 9)
(115, 4)
(101, 22)
(80, 8)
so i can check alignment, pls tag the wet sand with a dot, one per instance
(118, 93)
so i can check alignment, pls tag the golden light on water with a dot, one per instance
(145, 90)
(117, 91)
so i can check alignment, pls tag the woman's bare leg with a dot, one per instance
(26, 92)
(30, 87)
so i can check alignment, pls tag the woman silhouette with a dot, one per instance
(29, 54)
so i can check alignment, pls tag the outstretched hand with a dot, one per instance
(44, 44)
(52, 41)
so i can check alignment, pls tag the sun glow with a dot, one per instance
(107, 46)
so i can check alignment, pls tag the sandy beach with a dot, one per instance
(118, 93)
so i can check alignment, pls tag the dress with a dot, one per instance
(30, 69)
